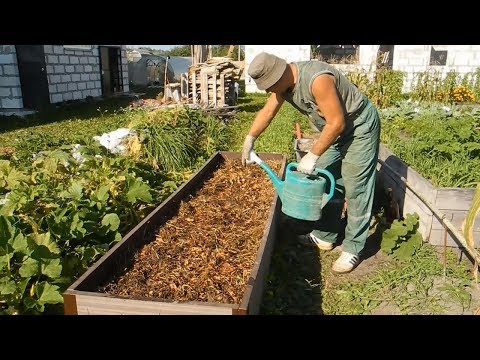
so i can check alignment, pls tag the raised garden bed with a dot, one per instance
(204, 250)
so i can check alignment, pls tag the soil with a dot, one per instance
(207, 250)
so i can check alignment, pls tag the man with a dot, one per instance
(348, 144)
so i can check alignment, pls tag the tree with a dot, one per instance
(182, 50)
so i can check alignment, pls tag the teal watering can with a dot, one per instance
(303, 196)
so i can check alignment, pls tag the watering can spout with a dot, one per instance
(277, 183)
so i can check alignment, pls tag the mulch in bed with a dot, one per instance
(207, 250)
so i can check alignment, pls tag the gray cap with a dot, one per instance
(266, 69)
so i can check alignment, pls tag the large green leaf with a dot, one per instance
(14, 178)
(416, 240)
(411, 220)
(102, 193)
(75, 191)
(51, 268)
(20, 244)
(5, 259)
(7, 286)
(6, 230)
(137, 190)
(44, 239)
(112, 221)
(404, 251)
(48, 294)
(388, 243)
(397, 228)
(30, 267)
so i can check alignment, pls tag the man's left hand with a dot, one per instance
(308, 163)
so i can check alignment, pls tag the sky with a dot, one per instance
(156, 47)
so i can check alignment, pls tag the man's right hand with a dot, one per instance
(247, 147)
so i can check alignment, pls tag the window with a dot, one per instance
(438, 57)
(336, 54)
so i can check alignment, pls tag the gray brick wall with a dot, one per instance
(76, 73)
(10, 90)
(71, 73)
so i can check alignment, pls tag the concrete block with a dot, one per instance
(59, 69)
(126, 87)
(75, 77)
(50, 69)
(52, 88)
(83, 60)
(48, 49)
(15, 103)
(16, 92)
(61, 87)
(84, 77)
(72, 86)
(67, 96)
(91, 85)
(98, 84)
(88, 68)
(5, 92)
(10, 70)
(81, 86)
(1, 70)
(79, 68)
(52, 59)
(86, 93)
(92, 60)
(96, 92)
(8, 59)
(63, 59)
(66, 78)
(69, 68)
(74, 60)
(55, 98)
(7, 49)
(55, 79)
(69, 52)
(77, 95)
(93, 77)
(10, 81)
(58, 49)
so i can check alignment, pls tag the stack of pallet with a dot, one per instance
(212, 83)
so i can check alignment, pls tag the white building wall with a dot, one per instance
(288, 52)
(10, 88)
(413, 59)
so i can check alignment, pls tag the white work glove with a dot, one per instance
(247, 147)
(308, 163)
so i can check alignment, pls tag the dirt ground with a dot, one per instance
(299, 276)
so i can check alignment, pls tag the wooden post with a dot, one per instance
(222, 89)
(194, 87)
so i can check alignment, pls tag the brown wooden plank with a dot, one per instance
(88, 304)
(69, 304)
(194, 88)
(204, 89)
(454, 198)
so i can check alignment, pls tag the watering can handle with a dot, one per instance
(321, 171)
(332, 185)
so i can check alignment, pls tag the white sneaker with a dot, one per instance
(311, 239)
(345, 263)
